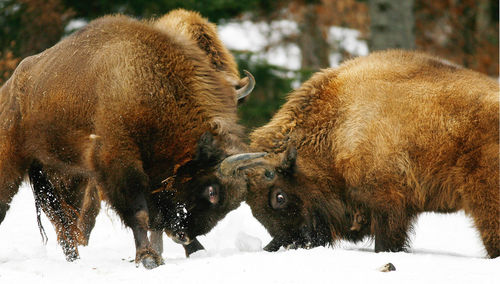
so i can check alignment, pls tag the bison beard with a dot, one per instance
(379, 140)
(118, 107)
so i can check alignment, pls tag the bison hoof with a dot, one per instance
(149, 259)
(150, 263)
(70, 250)
(72, 257)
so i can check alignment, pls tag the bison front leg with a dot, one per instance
(124, 184)
(144, 251)
(391, 231)
(391, 219)
(136, 216)
(91, 206)
(11, 171)
(156, 239)
(481, 199)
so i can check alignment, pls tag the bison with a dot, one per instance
(362, 149)
(73, 212)
(120, 106)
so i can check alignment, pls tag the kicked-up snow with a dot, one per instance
(446, 249)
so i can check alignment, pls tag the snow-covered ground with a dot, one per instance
(446, 249)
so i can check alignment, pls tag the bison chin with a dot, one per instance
(314, 234)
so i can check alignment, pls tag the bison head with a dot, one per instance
(295, 206)
(201, 193)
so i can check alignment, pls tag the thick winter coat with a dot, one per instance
(362, 149)
(128, 106)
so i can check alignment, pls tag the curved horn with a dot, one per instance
(229, 165)
(247, 88)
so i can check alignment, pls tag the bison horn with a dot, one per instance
(249, 84)
(230, 164)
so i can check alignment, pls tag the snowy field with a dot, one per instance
(446, 249)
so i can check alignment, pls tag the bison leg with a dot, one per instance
(91, 206)
(11, 174)
(156, 238)
(481, 201)
(193, 247)
(139, 223)
(7, 192)
(124, 184)
(489, 228)
(62, 215)
(391, 231)
(359, 220)
(390, 218)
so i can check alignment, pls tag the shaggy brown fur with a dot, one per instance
(123, 103)
(192, 25)
(181, 23)
(392, 134)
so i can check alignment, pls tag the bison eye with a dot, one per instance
(269, 174)
(212, 193)
(279, 200)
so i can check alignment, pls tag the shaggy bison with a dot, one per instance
(362, 149)
(120, 106)
(73, 210)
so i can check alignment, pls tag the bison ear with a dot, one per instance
(288, 164)
(207, 149)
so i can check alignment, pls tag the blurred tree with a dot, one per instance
(214, 10)
(273, 83)
(392, 24)
(312, 36)
(28, 27)
(465, 32)
(314, 18)
(7, 65)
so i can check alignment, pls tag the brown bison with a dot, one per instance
(120, 106)
(73, 211)
(362, 149)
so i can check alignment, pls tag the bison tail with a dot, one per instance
(38, 183)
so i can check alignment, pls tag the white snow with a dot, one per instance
(446, 249)
(246, 242)
(75, 24)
